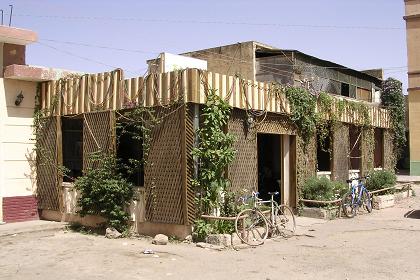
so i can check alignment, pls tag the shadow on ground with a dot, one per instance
(413, 214)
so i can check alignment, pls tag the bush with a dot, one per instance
(104, 192)
(323, 189)
(202, 228)
(380, 179)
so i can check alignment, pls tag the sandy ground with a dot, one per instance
(381, 245)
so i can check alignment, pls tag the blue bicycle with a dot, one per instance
(357, 196)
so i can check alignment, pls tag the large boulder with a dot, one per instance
(112, 233)
(160, 239)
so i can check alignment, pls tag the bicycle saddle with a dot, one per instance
(273, 193)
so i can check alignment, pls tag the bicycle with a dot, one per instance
(357, 196)
(253, 226)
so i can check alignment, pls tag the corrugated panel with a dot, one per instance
(109, 91)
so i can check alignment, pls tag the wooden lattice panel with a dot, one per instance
(389, 159)
(243, 171)
(340, 160)
(164, 181)
(276, 124)
(98, 134)
(189, 144)
(49, 194)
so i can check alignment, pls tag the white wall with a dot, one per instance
(17, 176)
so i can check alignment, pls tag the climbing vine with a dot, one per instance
(40, 125)
(393, 98)
(214, 153)
(303, 111)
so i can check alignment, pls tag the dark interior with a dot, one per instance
(72, 141)
(130, 153)
(269, 164)
(323, 154)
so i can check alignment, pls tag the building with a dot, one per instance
(83, 112)
(18, 94)
(412, 18)
(257, 61)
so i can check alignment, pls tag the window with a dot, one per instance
(72, 146)
(130, 153)
(345, 89)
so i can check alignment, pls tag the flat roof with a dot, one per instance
(35, 73)
(17, 36)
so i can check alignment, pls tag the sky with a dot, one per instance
(97, 36)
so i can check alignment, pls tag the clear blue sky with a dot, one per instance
(179, 26)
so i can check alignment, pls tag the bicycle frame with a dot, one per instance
(273, 205)
(358, 190)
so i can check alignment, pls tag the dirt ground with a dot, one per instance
(381, 245)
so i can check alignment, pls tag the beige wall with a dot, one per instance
(412, 8)
(16, 165)
(229, 60)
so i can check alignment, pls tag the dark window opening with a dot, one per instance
(345, 89)
(72, 141)
(269, 164)
(355, 152)
(130, 153)
(379, 148)
(324, 153)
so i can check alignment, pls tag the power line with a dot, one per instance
(83, 57)
(226, 58)
(98, 46)
(214, 22)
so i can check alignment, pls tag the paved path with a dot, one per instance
(28, 227)
(381, 245)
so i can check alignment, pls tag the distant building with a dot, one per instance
(257, 61)
(412, 18)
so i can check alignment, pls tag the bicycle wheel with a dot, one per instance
(367, 201)
(348, 206)
(251, 227)
(285, 221)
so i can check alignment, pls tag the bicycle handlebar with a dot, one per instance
(357, 179)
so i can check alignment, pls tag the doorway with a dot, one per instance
(269, 164)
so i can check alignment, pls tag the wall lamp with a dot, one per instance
(19, 98)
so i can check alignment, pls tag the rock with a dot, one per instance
(383, 201)
(160, 239)
(219, 239)
(112, 233)
(188, 239)
(209, 246)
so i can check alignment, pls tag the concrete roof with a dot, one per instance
(17, 36)
(35, 73)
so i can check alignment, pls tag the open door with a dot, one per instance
(277, 167)
(269, 164)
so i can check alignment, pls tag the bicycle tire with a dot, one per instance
(348, 206)
(367, 201)
(251, 227)
(285, 221)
